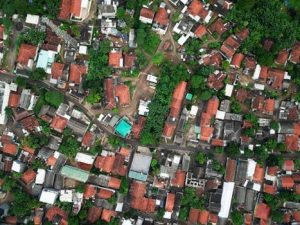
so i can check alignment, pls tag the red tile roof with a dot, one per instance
(205, 119)
(53, 211)
(229, 46)
(14, 99)
(76, 73)
(193, 215)
(297, 189)
(107, 215)
(218, 26)
(161, 17)
(89, 191)
(292, 142)
(269, 106)
(203, 217)
(295, 53)
(296, 215)
(147, 13)
(218, 142)
(230, 170)
(243, 34)
(297, 129)
(30, 123)
(177, 99)
(282, 57)
(179, 179)
(115, 59)
(94, 214)
(228, 51)
(200, 31)
(65, 9)
(59, 123)
(272, 171)
(270, 189)
(237, 60)
(262, 211)
(216, 81)
(138, 127)
(264, 73)
(296, 177)
(10, 148)
(137, 189)
(287, 182)
(105, 163)
(213, 218)
(123, 93)
(259, 174)
(26, 52)
(129, 60)
(195, 7)
(76, 7)
(109, 93)
(1, 32)
(213, 105)
(87, 139)
(57, 70)
(29, 150)
(288, 165)
(276, 77)
(104, 193)
(206, 133)
(170, 202)
(169, 130)
(248, 219)
(28, 176)
(143, 204)
(125, 152)
(114, 183)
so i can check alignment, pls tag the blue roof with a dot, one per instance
(45, 59)
(123, 128)
(137, 176)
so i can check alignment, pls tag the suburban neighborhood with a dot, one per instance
(133, 112)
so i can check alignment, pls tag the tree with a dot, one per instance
(21, 81)
(93, 97)
(237, 218)
(9, 183)
(232, 150)
(205, 95)
(158, 58)
(297, 164)
(274, 125)
(201, 158)
(9, 112)
(38, 74)
(124, 185)
(197, 81)
(218, 167)
(54, 98)
(121, 13)
(235, 107)
(277, 216)
(69, 146)
(275, 160)
(23, 204)
(34, 141)
(176, 17)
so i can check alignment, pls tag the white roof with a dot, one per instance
(183, 39)
(167, 215)
(83, 49)
(119, 207)
(32, 19)
(66, 196)
(287, 76)
(194, 110)
(226, 199)
(40, 177)
(229, 90)
(260, 87)
(151, 78)
(17, 166)
(176, 159)
(84, 158)
(48, 196)
(251, 168)
(256, 72)
(128, 222)
(220, 115)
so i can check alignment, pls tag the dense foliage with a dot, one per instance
(171, 75)
(265, 20)
(23, 203)
(54, 98)
(69, 146)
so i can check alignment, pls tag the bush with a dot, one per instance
(54, 98)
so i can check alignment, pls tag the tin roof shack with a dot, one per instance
(75, 173)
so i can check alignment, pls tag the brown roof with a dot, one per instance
(57, 70)
(94, 214)
(259, 174)
(29, 123)
(51, 161)
(26, 52)
(105, 163)
(237, 60)
(248, 219)
(272, 171)
(28, 176)
(288, 165)
(14, 99)
(169, 130)
(109, 93)
(53, 211)
(161, 17)
(114, 59)
(87, 139)
(76, 72)
(123, 93)
(287, 182)
(170, 202)
(11, 219)
(65, 9)
(297, 129)
(243, 34)
(138, 127)
(250, 62)
(213, 105)
(282, 57)
(262, 211)
(129, 60)
(258, 103)
(59, 123)
(216, 81)
(203, 217)
(276, 77)
(137, 189)
(218, 26)
(177, 99)
(1, 31)
(295, 53)
(108, 214)
(10, 148)
(193, 215)
(147, 13)
(218, 142)
(264, 73)
(241, 95)
(179, 179)
(104, 193)
(200, 31)
(267, 44)
(269, 106)
(29, 150)
(230, 170)
(292, 142)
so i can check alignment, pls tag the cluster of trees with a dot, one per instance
(171, 75)
(190, 200)
(32, 36)
(69, 146)
(98, 70)
(34, 140)
(53, 98)
(265, 20)
(147, 39)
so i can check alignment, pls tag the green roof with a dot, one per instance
(189, 96)
(75, 173)
(123, 128)
(137, 176)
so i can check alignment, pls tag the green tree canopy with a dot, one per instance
(54, 98)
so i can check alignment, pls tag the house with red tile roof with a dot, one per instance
(179, 179)
(94, 214)
(114, 183)
(259, 174)
(109, 94)
(169, 130)
(59, 123)
(216, 80)
(10, 149)
(115, 59)
(107, 215)
(170, 201)
(237, 60)
(138, 126)
(286, 182)
(230, 46)
(76, 74)
(197, 11)
(262, 211)
(282, 57)
(292, 142)
(218, 26)
(88, 139)
(230, 170)
(74, 9)
(89, 191)
(275, 78)
(129, 60)
(146, 15)
(54, 212)
(161, 20)
(122, 93)
(56, 72)
(14, 99)
(27, 55)
(177, 99)
(28, 176)
(288, 165)
(214, 58)
(295, 54)
(200, 31)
